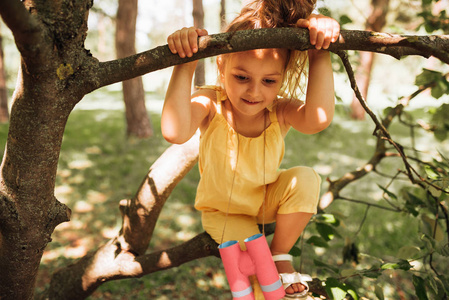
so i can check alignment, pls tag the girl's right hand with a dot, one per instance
(184, 42)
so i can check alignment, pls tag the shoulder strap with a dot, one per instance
(219, 94)
(272, 112)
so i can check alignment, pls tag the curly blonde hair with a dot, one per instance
(272, 14)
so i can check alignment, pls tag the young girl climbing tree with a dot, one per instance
(243, 122)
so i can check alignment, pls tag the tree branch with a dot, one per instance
(141, 213)
(24, 26)
(291, 38)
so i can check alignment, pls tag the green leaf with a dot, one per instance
(374, 272)
(439, 89)
(317, 241)
(392, 195)
(338, 290)
(379, 292)
(428, 76)
(431, 173)
(420, 287)
(295, 251)
(321, 264)
(327, 218)
(440, 134)
(348, 272)
(444, 279)
(344, 19)
(327, 232)
(401, 265)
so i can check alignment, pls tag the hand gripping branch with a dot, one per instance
(256, 260)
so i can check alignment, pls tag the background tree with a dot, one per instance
(198, 21)
(50, 39)
(223, 22)
(137, 119)
(4, 112)
(375, 22)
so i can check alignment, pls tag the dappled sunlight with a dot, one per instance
(74, 247)
(83, 207)
(110, 232)
(218, 280)
(80, 164)
(177, 223)
(164, 261)
(323, 169)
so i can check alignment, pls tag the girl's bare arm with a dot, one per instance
(317, 112)
(182, 115)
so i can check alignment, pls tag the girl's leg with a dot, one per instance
(291, 201)
(288, 229)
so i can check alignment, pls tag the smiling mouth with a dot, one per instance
(250, 102)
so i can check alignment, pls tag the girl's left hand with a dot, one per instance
(322, 30)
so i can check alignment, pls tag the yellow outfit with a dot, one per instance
(233, 180)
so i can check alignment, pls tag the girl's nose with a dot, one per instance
(254, 90)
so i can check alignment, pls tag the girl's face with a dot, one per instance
(252, 79)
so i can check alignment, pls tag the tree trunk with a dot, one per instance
(223, 22)
(45, 94)
(198, 21)
(137, 120)
(375, 22)
(4, 113)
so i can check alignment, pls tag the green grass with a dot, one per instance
(98, 167)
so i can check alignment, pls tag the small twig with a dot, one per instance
(395, 209)
(386, 187)
(379, 126)
(434, 231)
(363, 220)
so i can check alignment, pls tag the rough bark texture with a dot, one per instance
(50, 40)
(56, 72)
(375, 22)
(137, 119)
(198, 22)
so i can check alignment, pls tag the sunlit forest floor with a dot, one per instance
(99, 167)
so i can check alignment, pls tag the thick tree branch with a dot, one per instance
(23, 25)
(141, 213)
(292, 38)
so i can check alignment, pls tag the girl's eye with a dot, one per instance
(269, 81)
(240, 77)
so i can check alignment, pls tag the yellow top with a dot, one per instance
(224, 154)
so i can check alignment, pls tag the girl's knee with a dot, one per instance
(304, 177)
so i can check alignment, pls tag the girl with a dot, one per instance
(243, 123)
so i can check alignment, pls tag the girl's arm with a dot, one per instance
(317, 112)
(182, 115)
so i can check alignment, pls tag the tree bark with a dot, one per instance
(4, 112)
(137, 119)
(375, 22)
(198, 22)
(397, 46)
(50, 53)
